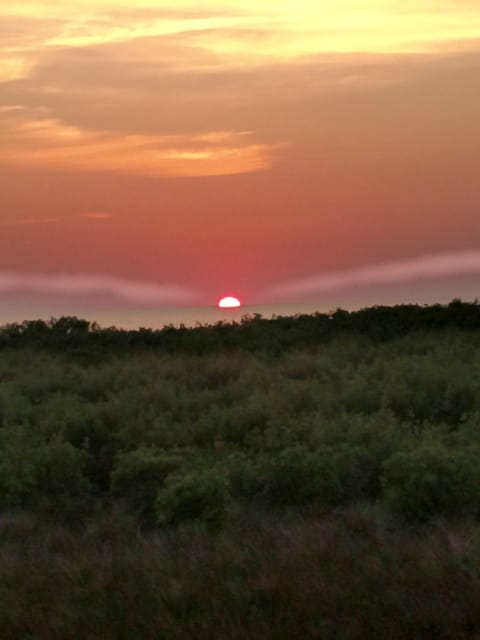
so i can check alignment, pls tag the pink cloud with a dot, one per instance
(390, 272)
(71, 285)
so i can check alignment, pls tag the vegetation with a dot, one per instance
(261, 479)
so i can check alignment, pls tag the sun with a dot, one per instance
(229, 302)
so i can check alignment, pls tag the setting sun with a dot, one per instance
(229, 302)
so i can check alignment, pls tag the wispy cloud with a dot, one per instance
(373, 23)
(28, 221)
(281, 30)
(50, 142)
(71, 285)
(96, 215)
(21, 222)
(394, 271)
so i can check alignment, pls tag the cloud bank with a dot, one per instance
(390, 272)
(73, 285)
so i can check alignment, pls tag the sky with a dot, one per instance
(156, 153)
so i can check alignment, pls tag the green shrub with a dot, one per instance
(432, 479)
(247, 476)
(20, 456)
(436, 389)
(297, 476)
(61, 470)
(139, 474)
(99, 442)
(328, 477)
(201, 494)
(34, 474)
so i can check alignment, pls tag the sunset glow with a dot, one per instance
(280, 146)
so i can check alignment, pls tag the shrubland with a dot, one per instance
(316, 473)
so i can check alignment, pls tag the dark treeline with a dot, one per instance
(253, 333)
(315, 475)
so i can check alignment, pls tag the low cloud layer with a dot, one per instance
(73, 285)
(391, 272)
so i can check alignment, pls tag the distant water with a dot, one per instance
(188, 316)
(152, 318)
(158, 318)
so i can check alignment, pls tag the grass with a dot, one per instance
(348, 575)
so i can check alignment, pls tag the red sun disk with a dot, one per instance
(229, 302)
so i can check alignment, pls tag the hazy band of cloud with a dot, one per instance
(129, 290)
(390, 272)
(21, 222)
(28, 221)
(96, 215)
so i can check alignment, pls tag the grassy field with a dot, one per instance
(350, 574)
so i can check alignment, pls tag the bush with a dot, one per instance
(297, 476)
(201, 495)
(61, 469)
(247, 477)
(34, 474)
(328, 477)
(432, 480)
(139, 474)
(20, 457)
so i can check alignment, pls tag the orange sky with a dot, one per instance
(221, 147)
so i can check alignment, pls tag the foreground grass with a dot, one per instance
(348, 575)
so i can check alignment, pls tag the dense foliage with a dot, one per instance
(265, 420)
(325, 410)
